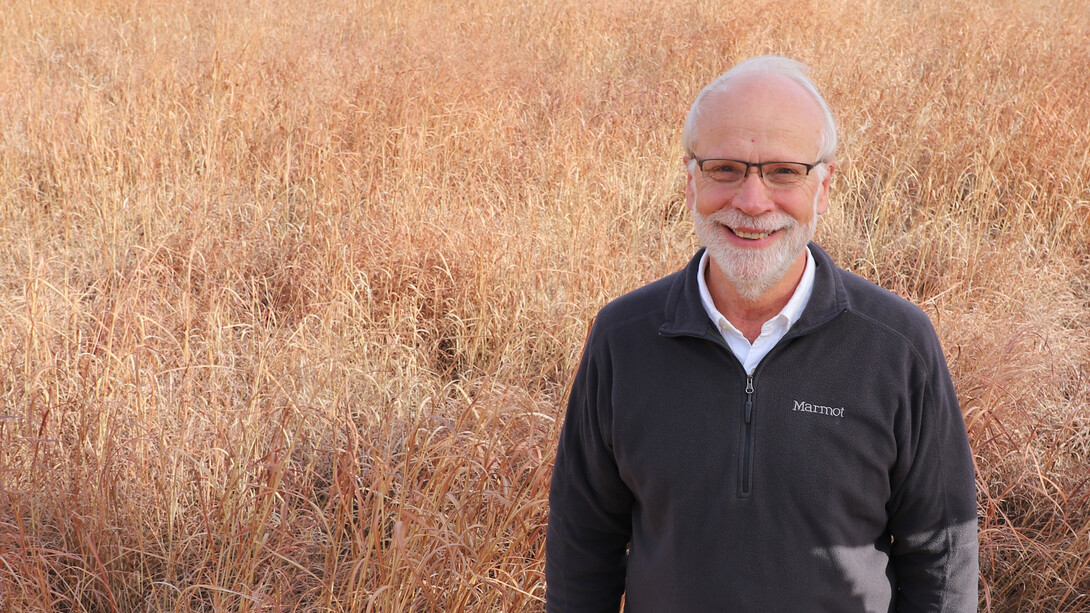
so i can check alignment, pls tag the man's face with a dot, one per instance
(756, 234)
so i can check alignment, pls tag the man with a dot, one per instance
(762, 431)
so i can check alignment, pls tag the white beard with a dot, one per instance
(753, 271)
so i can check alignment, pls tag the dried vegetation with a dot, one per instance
(291, 292)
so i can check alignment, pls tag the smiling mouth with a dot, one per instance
(750, 235)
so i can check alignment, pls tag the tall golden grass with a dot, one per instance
(292, 291)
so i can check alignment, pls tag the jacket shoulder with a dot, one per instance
(885, 309)
(643, 304)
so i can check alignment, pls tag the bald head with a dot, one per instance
(772, 83)
(760, 117)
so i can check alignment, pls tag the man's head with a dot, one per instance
(764, 65)
(756, 220)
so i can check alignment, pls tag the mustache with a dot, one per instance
(733, 218)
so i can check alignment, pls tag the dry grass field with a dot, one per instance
(291, 292)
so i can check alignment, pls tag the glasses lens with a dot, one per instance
(724, 171)
(784, 174)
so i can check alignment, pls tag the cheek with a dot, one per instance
(705, 201)
(804, 208)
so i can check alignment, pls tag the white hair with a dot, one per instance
(766, 64)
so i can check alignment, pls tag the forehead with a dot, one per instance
(760, 116)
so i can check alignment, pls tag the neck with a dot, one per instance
(749, 315)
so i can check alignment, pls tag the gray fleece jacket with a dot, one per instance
(837, 478)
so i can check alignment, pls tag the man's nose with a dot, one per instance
(752, 197)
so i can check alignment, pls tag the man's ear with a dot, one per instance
(826, 183)
(690, 194)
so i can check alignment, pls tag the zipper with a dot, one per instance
(747, 443)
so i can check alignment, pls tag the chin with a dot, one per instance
(753, 271)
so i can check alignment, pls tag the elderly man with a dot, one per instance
(762, 431)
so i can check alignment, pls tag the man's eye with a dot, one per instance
(723, 169)
(785, 170)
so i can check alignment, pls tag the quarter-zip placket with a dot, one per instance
(747, 443)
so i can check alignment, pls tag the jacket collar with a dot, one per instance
(685, 315)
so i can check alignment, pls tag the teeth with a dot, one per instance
(751, 235)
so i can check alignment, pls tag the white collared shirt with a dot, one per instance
(771, 331)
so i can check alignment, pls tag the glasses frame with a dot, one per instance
(760, 169)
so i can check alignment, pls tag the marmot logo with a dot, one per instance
(806, 407)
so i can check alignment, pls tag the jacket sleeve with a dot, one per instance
(589, 504)
(933, 513)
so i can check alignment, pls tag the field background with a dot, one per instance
(291, 292)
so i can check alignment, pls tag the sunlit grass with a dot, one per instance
(291, 295)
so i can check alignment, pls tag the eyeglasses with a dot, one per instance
(775, 175)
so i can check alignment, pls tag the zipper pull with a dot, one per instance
(749, 398)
